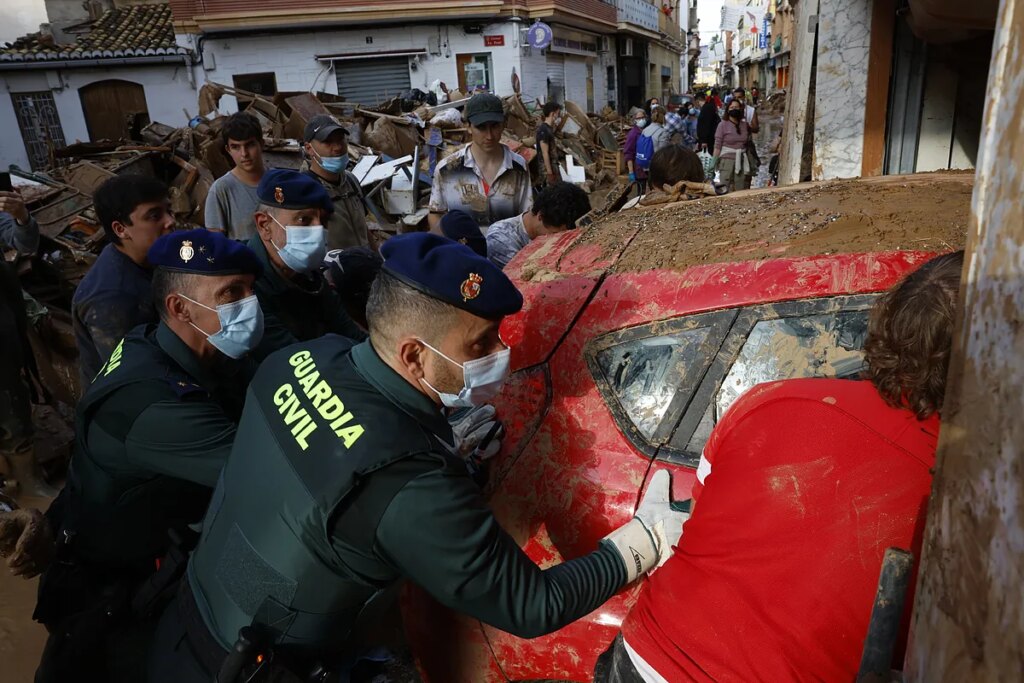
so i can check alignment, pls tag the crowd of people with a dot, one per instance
(707, 124)
(282, 416)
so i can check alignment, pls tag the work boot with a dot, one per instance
(24, 474)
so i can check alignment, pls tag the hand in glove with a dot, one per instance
(646, 541)
(714, 162)
(471, 427)
(632, 177)
(26, 540)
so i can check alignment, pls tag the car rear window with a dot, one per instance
(824, 345)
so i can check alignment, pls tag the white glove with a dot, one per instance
(646, 541)
(471, 427)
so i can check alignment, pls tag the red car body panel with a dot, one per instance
(567, 475)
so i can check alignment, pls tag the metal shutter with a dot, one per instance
(371, 81)
(556, 78)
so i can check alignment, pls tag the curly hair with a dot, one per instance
(910, 334)
(561, 205)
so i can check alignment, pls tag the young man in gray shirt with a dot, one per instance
(232, 200)
(557, 208)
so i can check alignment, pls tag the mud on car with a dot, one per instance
(637, 334)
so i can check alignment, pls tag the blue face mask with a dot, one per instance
(332, 164)
(305, 246)
(241, 326)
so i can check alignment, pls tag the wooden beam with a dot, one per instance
(968, 620)
(876, 102)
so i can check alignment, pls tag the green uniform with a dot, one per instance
(346, 227)
(342, 481)
(297, 309)
(153, 431)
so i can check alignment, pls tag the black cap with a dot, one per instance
(321, 126)
(485, 108)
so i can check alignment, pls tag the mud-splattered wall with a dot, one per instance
(969, 613)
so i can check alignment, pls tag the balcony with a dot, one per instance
(669, 26)
(638, 17)
(589, 15)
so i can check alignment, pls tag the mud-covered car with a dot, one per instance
(637, 334)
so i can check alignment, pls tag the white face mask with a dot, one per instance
(482, 379)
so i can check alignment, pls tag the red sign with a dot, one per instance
(494, 41)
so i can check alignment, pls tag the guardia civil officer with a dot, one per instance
(343, 481)
(290, 241)
(153, 431)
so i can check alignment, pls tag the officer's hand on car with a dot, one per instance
(12, 203)
(646, 541)
(26, 541)
(472, 427)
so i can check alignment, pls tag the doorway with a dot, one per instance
(474, 71)
(114, 109)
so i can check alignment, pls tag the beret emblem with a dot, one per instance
(279, 195)
(186, 252)
(470, 288)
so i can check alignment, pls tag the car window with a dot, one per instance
(644, 375)
(824, 345)
(647, 374)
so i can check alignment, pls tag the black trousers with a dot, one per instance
(614, 665)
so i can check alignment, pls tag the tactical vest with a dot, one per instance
(117, 519)
(314, 427)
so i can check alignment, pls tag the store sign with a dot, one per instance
(764, 37)
(494, 41)
(539, 35)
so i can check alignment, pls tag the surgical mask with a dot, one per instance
(241, 326)
(305, 246)
(482, 379)
(332, 164)
(693, 112)
(735, 113)
(641, 123)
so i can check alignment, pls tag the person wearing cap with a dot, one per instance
(346, 478)
(291, 243)
(326, 148)
(460, 227)
(153, 431)
(485, 178)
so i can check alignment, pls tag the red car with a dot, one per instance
(634, 339)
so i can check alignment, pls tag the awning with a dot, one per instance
(370, 55)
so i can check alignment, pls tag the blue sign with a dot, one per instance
(539, 35)
(762, 42)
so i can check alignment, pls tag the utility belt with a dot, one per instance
(87, 607)
(254, 657)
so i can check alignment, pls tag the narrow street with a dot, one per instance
(771, 128)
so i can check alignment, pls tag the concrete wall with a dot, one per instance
(844, 32)
(167, 90)
(968, 620)
(292, 56)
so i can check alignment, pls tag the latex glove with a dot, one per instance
(714, 160)
(646, 541)
(632, 177)
(26, 540)
(471, 427)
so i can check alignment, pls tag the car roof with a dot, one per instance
(926, 212)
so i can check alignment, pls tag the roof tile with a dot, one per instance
(134, 31)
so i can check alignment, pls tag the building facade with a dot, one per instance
(89, 79)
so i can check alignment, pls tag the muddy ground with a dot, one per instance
(21, 639)
(926, 212)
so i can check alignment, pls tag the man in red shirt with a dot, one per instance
(801, 487)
